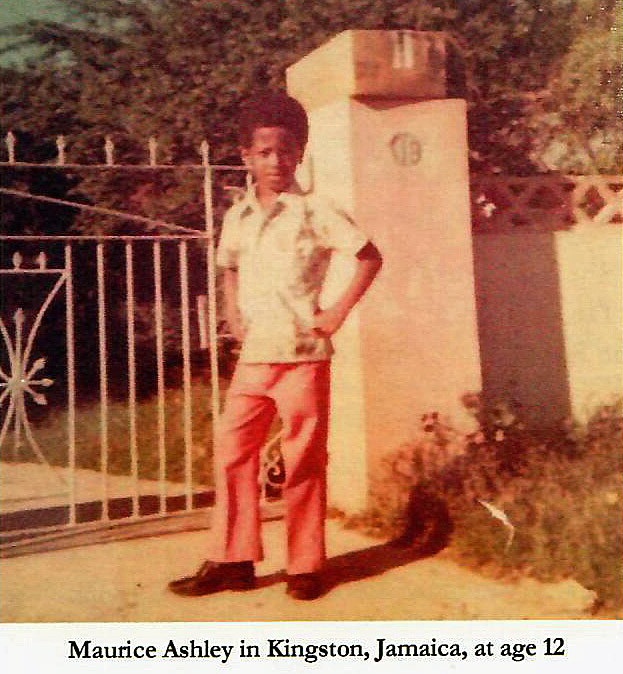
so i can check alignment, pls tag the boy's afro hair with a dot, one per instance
(270, 109)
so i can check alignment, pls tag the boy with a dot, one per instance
(275, 247)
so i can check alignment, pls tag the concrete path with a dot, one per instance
(126, 581)
(33, 485)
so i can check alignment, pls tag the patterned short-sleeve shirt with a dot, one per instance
(282, 257)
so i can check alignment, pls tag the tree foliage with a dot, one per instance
(541, 77)
(579, 118)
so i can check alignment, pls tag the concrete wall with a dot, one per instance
(419, 345)
(591, 286)
(550, 320)
(411, 346)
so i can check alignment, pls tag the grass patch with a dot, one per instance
(561, 490)
(52, 437)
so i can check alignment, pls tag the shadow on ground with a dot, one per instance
(427, 532)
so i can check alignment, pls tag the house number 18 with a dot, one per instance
(406, 149)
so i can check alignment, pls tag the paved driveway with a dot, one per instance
(126, 581)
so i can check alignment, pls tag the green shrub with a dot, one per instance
(561, 490)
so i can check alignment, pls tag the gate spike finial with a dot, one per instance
(109, 150)
(61, 144)
(204, 151)
(10, 146)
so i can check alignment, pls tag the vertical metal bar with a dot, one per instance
(153, 151)
(211, 285)
(17, 426)
(202, 320)
(19, 393)
(160, 376)
(10, 146)
(129, 278)
(7, 393)
(71, 382)
(186, 366)
(103, 360)
(109, 151)
(11, 411)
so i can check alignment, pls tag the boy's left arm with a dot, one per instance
(369, 261)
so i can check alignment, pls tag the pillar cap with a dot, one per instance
(390, 64)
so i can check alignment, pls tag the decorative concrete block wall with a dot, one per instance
(548, 254)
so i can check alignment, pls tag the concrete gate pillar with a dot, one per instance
(387, 145)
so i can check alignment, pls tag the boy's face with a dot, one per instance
(272, 158)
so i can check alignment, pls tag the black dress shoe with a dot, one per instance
(214, 577)
(305, 586)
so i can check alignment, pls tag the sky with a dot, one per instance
(15, 11)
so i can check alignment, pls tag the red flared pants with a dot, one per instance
(299, 393)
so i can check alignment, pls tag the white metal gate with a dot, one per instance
(126, 447)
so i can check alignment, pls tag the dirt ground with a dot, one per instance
(365, 580)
